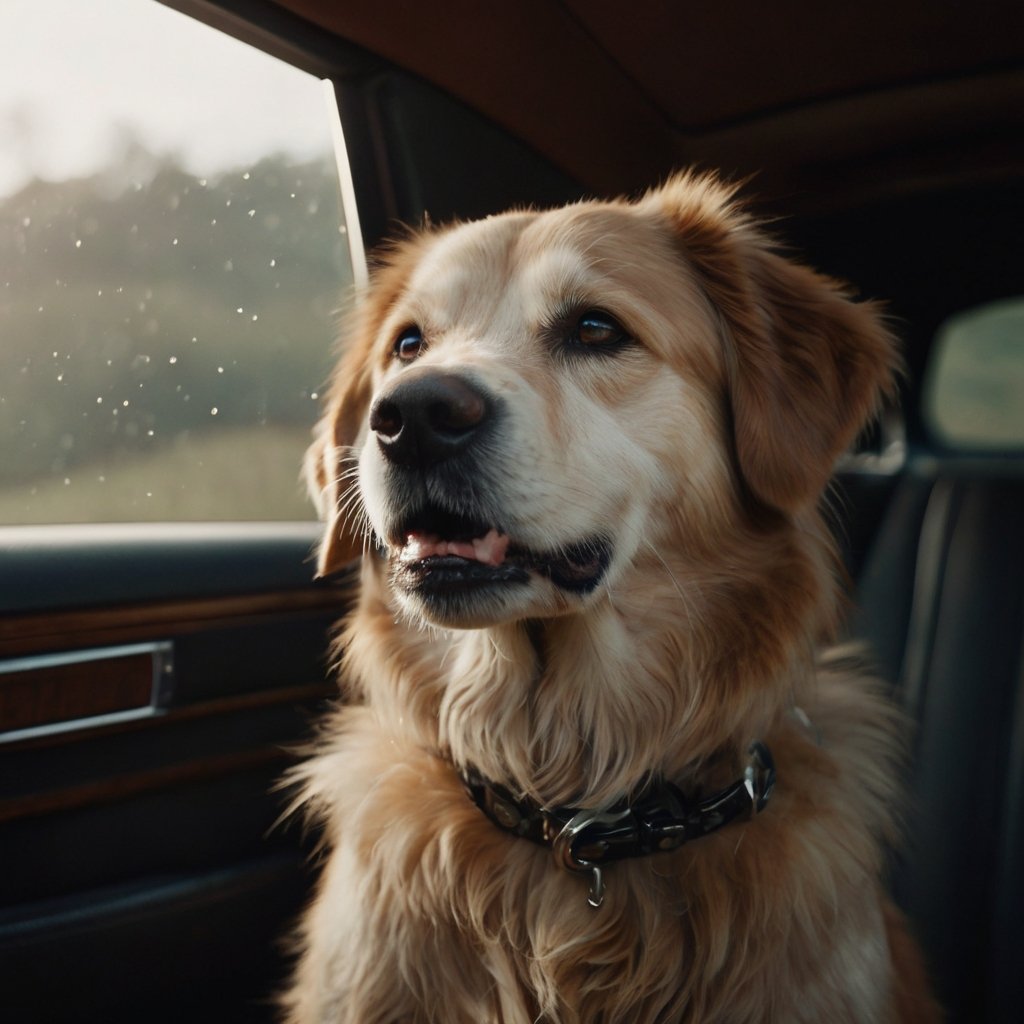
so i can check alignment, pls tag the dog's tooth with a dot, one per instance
(490, 549)
(418, 547)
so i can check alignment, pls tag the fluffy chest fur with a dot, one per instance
(433, 914)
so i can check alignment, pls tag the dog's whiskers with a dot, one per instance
(354, 519)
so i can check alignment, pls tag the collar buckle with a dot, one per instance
(574, 853)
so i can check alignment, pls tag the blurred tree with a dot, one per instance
(144, 304)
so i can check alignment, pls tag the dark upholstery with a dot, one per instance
(942, 601)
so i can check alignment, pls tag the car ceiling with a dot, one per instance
(822, 100)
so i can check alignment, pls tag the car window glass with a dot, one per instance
(974, 387)
(172, 262)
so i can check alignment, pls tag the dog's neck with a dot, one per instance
(584, 709)
(558, 714)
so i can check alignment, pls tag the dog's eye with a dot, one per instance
(597, 329)
(409, 344)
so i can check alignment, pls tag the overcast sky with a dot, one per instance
(74, 73)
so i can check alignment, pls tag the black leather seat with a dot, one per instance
(941, 599)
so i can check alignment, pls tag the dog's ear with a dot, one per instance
(807, 366)
(330, 465)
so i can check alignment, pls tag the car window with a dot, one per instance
(974, 387)
(173, 260)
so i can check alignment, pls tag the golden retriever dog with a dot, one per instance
(592, 766)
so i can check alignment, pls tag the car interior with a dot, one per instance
(157, 679)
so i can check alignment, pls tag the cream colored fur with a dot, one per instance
(703, 447)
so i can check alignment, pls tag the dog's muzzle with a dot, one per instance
(445, 527)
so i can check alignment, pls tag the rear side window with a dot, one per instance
(974, 387)
(173, 259)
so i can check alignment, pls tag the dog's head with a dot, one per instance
(531, 403)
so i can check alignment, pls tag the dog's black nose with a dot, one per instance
(429, 418)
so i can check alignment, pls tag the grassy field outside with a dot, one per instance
(246, 474)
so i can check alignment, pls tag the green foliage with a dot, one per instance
(137, 315)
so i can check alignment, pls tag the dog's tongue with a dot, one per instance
(489, 549)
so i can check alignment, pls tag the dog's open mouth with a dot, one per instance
(436, 550)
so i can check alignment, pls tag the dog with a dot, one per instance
(592, 765)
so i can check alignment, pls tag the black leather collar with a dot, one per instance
(660, 820)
